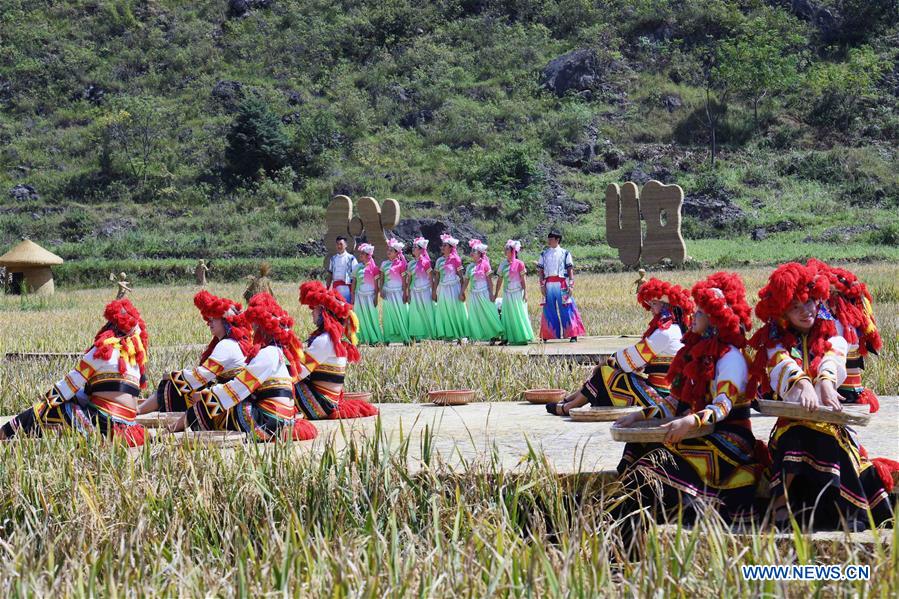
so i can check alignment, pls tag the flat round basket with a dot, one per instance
(358, 395)
(158, 419)
(451, 397)
(858, 415)
(651, 431)
(543, 396)
(601, 414)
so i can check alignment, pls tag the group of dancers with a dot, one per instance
(255, 376)
(447, 300)
(695, 365)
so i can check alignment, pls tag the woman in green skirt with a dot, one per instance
(516, 323)
(366, 276)
(483, 317)
(419, 294)
(451, 317)
(395, 309)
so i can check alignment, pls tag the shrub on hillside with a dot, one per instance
(256, 142)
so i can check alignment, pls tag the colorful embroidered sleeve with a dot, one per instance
(783, 371)
(320, 350)
(261, 368)
(226, 355)
(729, 388)
(74, 381)
(833, 364)
(665, 408)
(635, 356)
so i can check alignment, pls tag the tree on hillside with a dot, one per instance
(761, 61)
(256, 142)
(131, 135)
(841, 89)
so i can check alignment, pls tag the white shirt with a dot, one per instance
(268, 364)
(555, 262)
(341, 267)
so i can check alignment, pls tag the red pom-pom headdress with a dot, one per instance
(338, 319)
(850, 303)
(275, 324)
(211, 307)
(789, 282)
(125, 331)
(675, 296)
(722, 298)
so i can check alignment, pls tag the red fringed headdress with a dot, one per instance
(338, 319)
(789, 282)
(210, 307)
(722, 298)
(850, 303)
(675, 296)
(125, 331)
(276, 324)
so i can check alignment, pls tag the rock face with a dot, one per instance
(240, 8)
(843, 234)
(431, 229)
(576, 71)
(557, 204)
(717, 210)
(761, 233)
(23, 193)
(227, 93)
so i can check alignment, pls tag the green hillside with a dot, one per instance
(161, 129)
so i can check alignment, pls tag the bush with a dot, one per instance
(256, 142)
(510, 183)
(77, 225)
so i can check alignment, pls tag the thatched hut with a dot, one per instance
(29, 264)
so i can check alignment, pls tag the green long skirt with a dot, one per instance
(422, 323)
(369, 324)
(483, 318)
(396, 318)
(517, 329)
(450, 315)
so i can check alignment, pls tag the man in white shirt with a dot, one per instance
(556, 270)
(340, 270)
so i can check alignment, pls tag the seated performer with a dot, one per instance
(259, 400)
(366, 280)
(483, 317)
(709, 376)
(637, 375)
(818, 472)
(319, 386)
(101, 393)
(850, 305)
(556, 269)
(222, 359)
(340, 270)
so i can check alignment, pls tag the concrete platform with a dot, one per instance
(466, 434)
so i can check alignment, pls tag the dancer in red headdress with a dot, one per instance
(220, 362)
(708, 383)
(819, 473)
(259, 399)
(101, 393)
(637, 375)
(319, 388)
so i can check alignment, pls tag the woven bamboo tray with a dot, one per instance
(158, 419)
(358, 395)
(601, 414)
(858, 415)
(543, 396)
(651, 431)
(451, 397)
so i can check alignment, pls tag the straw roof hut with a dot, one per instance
(30, 265)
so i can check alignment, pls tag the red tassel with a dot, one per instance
(867, 397)
(303, 430)
(862, 451)
(133, 435)
(762, 455)
(887, 469)
(353, 408)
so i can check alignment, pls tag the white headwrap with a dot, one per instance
(396, 244)
(421, 242)
(449, 240)
(366, 248)
(514, 244)
(478, 245)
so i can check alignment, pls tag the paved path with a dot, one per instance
(464, 434)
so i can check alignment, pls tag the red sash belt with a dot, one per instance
(113, 409)
(277, 408)
(561, 280)
(340, 284)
